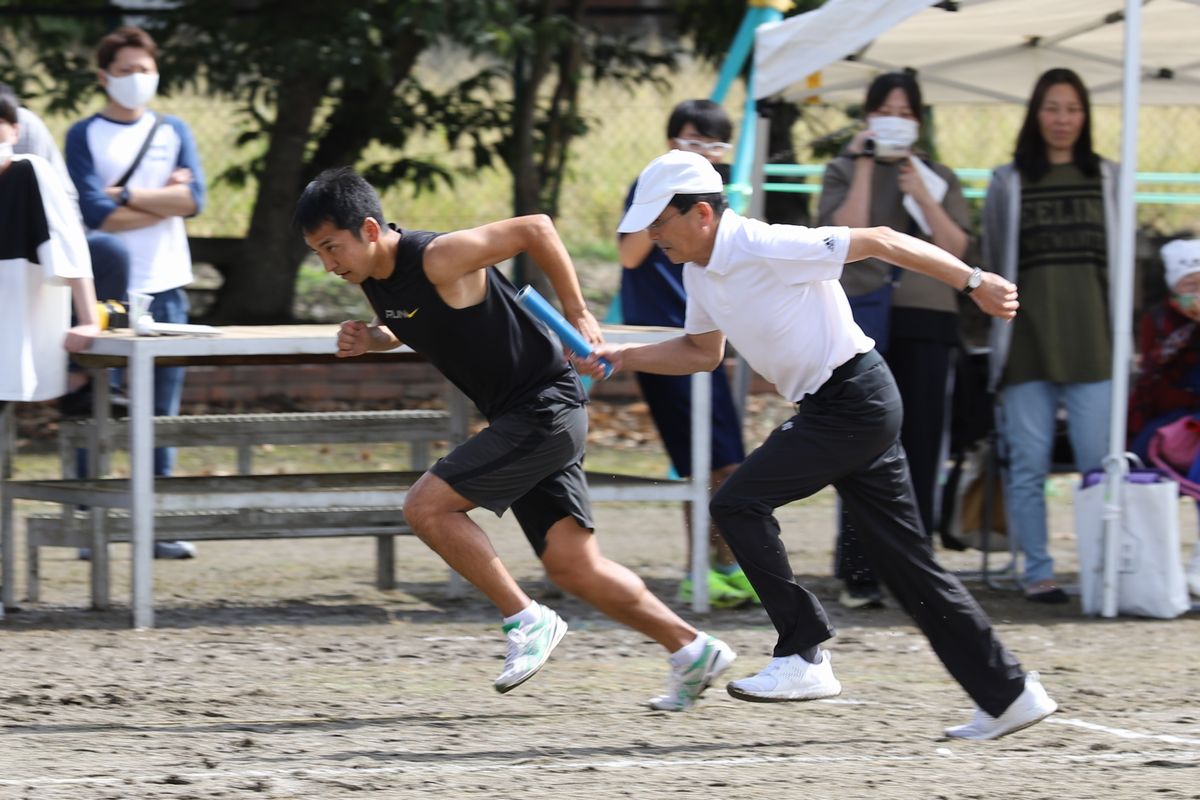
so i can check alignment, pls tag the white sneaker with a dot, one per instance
(1032, 706)
(685, 684)
(528, 648)
(789, 678)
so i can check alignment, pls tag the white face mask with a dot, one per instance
(895, 131)
(6, 152)
(132, 91)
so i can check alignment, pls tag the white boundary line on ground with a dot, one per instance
(1123, 733)
(300, 773)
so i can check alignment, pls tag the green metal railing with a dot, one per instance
(975, 175)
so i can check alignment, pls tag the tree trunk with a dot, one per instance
(261, 287)
(530, 71)
(563, 116)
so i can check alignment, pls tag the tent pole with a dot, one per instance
(735, 58)
(1122, 315)
(758, 12)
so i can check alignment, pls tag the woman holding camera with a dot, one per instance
(1049, 226)
(880, 179)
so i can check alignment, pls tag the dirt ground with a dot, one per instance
(278, 671)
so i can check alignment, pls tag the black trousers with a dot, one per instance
(921, 367)
(847, 434)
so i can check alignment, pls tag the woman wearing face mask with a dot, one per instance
(138, 175)
(1168, 382)
(879, 179)
(1049, 226)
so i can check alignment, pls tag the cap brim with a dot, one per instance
(640, 215)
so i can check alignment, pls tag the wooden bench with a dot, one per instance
(301, 514)
(75, 530)
(258, 506)
(418, 427)
(147, 498)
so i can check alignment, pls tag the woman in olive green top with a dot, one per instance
(1049, 226)
(879, 180)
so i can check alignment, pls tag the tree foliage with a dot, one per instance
(317, 83)
(711, 24)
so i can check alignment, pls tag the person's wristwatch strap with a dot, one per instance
(973, 281)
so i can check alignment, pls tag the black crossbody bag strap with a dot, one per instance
(141, 152)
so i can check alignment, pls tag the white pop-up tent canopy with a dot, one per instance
(981, 51)
(994, 50)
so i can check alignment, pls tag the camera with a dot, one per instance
(894, 137)
(886, 150)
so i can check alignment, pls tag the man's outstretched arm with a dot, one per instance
(995, 295)
(682, 355)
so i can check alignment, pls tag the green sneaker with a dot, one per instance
(528, 648)
(739, 581)
(721, 594)
(685, 684)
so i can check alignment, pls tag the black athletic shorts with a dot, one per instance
(529, 459)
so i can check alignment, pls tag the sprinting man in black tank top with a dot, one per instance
(441, 295)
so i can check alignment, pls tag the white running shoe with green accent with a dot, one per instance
(685, 684)
(528, 648)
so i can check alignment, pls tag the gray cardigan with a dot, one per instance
(1001, 225)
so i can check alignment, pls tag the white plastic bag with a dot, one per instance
(1150, 573)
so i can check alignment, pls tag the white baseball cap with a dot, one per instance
(1180, 258)
(677, 172)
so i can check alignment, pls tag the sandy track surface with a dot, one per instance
(278, 671)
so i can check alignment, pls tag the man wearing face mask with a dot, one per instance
(138, 176)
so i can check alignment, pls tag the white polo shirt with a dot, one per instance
(773, 291)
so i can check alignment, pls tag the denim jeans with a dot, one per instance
(110, 266)
(110, 273)
(1027, 413)
(169, 306)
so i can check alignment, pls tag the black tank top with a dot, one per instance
(495, 352)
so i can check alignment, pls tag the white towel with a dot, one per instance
(936, 185)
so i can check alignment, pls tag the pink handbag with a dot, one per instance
(1174, 449)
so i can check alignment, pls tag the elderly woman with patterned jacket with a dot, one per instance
(1168, 383)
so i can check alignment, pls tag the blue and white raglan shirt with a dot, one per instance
(42, 246)
(99, 151)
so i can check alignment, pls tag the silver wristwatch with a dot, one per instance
(973, 281)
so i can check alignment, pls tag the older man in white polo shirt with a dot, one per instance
(774, 291)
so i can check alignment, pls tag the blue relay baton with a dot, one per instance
(542, 311)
